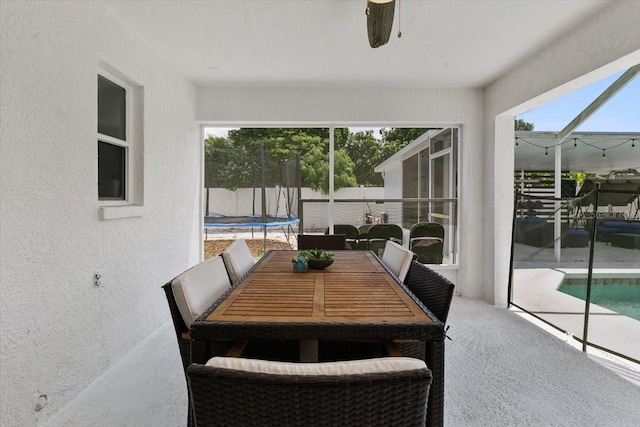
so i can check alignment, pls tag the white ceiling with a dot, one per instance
(324, 42)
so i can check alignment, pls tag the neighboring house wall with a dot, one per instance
(393, 189)
(607, 43)
(59, 332)
(408, 107)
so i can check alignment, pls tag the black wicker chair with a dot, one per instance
(428, 251)
(329, 242)
(426, 230)
(397, 258)
(378, 235)
(350, 232)
(434, 290)
(426, 241)
(237, 259)
(187, 346)
(184, 340)
(238, 392)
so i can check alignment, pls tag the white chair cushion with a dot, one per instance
(238, 259)
(397, 258)
(199, 287)
(367, 366)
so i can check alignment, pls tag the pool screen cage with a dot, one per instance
(261, 189)
(599, 223)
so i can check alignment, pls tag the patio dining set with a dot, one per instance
(358, 342)
(426, 239)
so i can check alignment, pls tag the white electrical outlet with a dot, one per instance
(97, 278)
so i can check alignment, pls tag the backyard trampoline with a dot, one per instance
(255, 190)
(249, 221)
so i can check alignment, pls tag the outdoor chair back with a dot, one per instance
(329, 242)
(434, 290)
(182, 331)
(426, 240)
(199, 287)
(377, 392)
(180, 292)
(397, 258)
(184, 342)
(350, 233)
(429, 251)
(237, 259)
(428, 230)
(188, 295)
(378, 234)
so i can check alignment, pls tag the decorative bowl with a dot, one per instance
(320, 264)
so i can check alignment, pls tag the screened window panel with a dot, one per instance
(111, 109)
(111, 171)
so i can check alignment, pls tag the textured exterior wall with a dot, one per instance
(607, 43)
(59, 331)
(393, 188)
(230, 107)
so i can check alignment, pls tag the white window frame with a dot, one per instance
(451, 184)
(132, 205)
(126, 143)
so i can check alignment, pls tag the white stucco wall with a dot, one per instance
(607, 43)
(234, 107)
(59, 332)
(393, 190)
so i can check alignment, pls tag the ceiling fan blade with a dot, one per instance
(379, 21)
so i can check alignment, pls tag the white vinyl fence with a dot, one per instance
(247, 201)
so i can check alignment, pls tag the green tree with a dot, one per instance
(227, 165)
(364, 150)
(579, 177)
(395, 139)
(234, 161)
(522, 125)
(283, 144)
(401, 136)
(315, 170)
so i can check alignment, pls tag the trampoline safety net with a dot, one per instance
(250, 187)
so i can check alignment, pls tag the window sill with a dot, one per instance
(118, 212)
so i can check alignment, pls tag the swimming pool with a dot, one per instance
(623, 298)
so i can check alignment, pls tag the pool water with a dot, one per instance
(621, 298)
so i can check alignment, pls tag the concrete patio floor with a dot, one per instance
(537, 276)
(504, 371)
(501, 370)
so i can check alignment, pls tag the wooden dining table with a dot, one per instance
(355, 298)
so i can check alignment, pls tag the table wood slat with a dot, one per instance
(344, 262)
